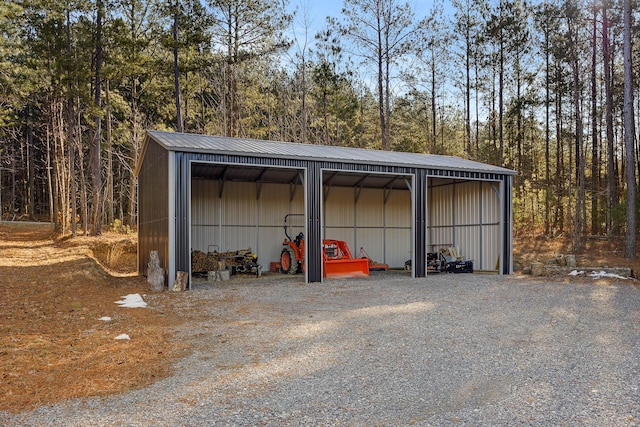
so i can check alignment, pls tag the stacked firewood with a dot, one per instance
(203, 262)
(214, 261)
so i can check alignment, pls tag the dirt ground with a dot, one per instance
(53, 291)
(52, 294)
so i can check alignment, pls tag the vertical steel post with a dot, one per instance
(420, 223)
(313, 239)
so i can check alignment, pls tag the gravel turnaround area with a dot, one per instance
(454, 349)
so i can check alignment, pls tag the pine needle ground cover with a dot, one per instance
(59, 320)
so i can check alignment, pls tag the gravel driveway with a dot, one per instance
(391, 351)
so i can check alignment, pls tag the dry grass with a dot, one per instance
(52, 345)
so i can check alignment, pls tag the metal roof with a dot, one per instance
(183, 142)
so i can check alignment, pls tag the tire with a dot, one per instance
(288, 262)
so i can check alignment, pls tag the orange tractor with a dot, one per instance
(337, 260)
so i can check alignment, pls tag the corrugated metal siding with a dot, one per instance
(466, 215)
(382, 229)
(238, 228)
(348, 235)
(397, 248)
(491, 205)
(339, 208)
(205, 215)
(439, 236)
(205, 204)
(468, 244)
(441, 206)
(397, 243)
(372, 240)
(153, 207)
(370, 211)
(236, 237)
(239, 207)
(467, 196)
(490, 246)
(274, 204)
(491, 231)
(398, 209)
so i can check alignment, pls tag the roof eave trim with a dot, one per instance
(502, 171)
(143, 151)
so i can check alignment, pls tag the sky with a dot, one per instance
(315, 13)
(312, 15)
(318, 10)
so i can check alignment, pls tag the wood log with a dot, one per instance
(536, 268)
(181, 281)
(155, 273)
(217, 261)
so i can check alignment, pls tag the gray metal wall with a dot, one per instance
(153, 207)
(466, 214)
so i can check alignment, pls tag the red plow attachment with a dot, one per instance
(338, 261)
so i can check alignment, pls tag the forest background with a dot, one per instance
(543, 87)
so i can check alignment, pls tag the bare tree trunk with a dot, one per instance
(477, 104)
(84, 201)
(547, 129)
(579, 225)
(467, 89)
(135, 152)
(30, 170)
(176, 69)
(381, 98)
(52, 206)
(433, 103)
(493, 116)
(95, 158)
(595, 160)
(230, 68)
(559, 213)
(71, 137)
(71, 177)
(110, 212)
(501, 97)
(629, 136)
(61, 167)
(302, 51)
(325, 116)
(386, 132)
(522, 173)
(612, 187)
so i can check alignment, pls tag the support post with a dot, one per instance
(507, 224)
(313, 244)
(420, 223)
